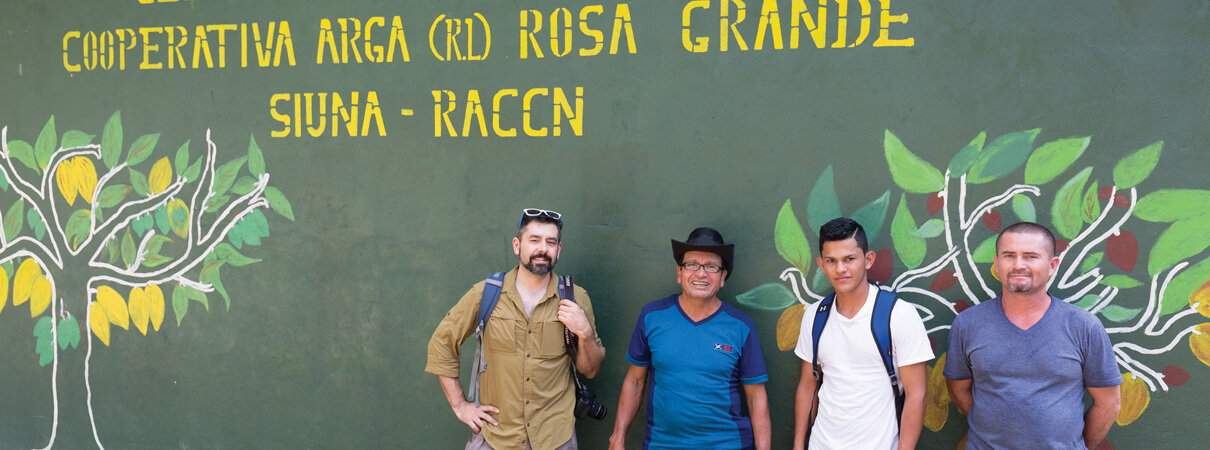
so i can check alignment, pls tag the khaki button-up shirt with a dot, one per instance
(528, 368)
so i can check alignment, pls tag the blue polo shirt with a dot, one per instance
(694, 377)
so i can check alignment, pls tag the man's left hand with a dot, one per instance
(574, 319)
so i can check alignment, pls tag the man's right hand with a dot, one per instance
(617, 442)
(474, 417)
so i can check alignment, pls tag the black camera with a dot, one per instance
(588, 406)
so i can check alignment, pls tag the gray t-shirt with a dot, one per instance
(1029, 385)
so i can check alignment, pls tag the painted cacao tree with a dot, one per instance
(94, 241)
(942, 242)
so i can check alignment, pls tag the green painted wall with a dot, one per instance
(323, 344)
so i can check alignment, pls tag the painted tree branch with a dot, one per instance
(1085, 244)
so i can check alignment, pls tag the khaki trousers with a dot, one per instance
(478, 443)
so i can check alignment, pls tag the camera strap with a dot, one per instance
(567, 291)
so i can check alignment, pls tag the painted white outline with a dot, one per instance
(198, 244)
(967, 273)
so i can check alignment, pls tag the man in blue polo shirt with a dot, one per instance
(693, 352)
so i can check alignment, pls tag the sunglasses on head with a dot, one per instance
(535, 213)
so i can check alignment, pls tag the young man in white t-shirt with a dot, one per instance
(855, 406)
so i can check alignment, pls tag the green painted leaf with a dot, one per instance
(215, 203)
(236, 237)
(14, 220)
(911, 249)
(218, 287)
(193, 171)
(230, 255)
(111, 140)
(256, 160)
(1136, 167)
(1087, 301)
(155, 244)
(253, 227)
(1023, 207)
(788, 236)
(930, 229)
(244, 185)
(1183, 285)
(1090, 206)
(180, 302)
(44, 345)
(871, 216)
(200, 296)
(23, 152)
(1002, 156)
(182, 159)
(76, 138)
(1091, 262)
(35, 223)
(224, 177)
(1052, 158)
(69, 333)
(4, 181)
(769, 296)
(128, 249)
(113, 195)
(966, 157)
(210, 275)
(1115, 313)
(142, 148)
(823, 205)
(138, 182)
(1171, 205)
(78, 227)
(1181, 240)
(279, 204)
(111, 246)
(142, 223)
(911, 173)
(985, 253)
(45, 145)
(1121, 282)
(161, 219)
(1066, 213)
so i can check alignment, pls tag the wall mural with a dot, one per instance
(89, 250)
(1148, 310)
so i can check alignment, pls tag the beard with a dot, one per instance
(1021, 286)
(539, 268)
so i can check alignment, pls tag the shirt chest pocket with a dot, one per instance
(550, 339)
(503, 335)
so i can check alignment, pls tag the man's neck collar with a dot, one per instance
(699, 308)
(1025, 302)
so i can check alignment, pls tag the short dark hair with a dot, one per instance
(526, 220)
(840, 229)
(1029, 228)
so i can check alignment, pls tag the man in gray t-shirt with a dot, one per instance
(1018, 365)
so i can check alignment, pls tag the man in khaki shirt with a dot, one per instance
(527, 395)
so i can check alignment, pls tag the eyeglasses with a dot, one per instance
(535, 213)
(709, 268)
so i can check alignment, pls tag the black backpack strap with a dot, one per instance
(880, 326)
(491, 295)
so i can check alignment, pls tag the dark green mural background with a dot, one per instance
(323, 345)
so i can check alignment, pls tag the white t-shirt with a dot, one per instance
(856, 408)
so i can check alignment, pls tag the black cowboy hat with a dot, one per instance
(705, 239)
